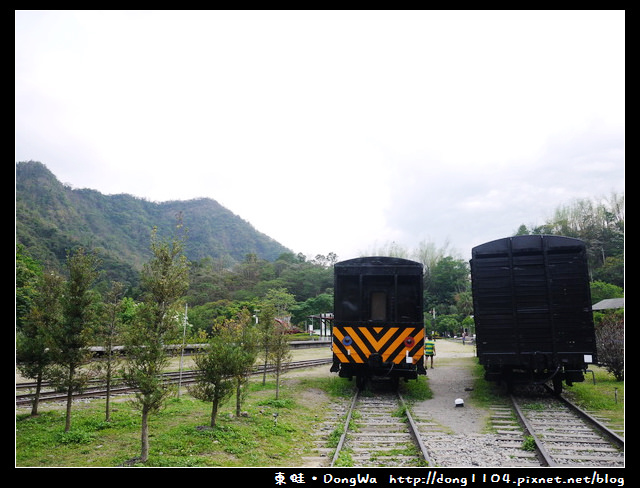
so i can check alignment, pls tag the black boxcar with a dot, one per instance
(532, 309)
(378, 327)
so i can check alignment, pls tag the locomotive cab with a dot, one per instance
(378, 329)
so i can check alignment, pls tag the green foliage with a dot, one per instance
(28, 271)
(67, 336)
(277, 403)
(601, 291)
(338, 387)
(280, 299)
(447, 280)
(226, 363)
(598, 222)
(447, 325)
(322, 303)
(529, 444)
(216, 368)
(302, 288)
(75, 437)
(417, 390)
(273, 342)
(611, 271)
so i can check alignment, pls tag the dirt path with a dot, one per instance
(449, 380)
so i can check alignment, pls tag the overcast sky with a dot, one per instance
(332, 131)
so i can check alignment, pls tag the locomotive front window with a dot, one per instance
(378, 291)
(378, 305)
(409, 299)
(348, 307)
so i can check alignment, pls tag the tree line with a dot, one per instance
(217, 291)
(599, 223)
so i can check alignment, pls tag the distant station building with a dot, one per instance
(320, 324)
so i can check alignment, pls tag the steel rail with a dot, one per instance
(545, 455)
(415, 433)
(345, 430)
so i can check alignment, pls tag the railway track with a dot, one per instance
(528, 431)
(566, 436)
(97, 389)
(502, 447)
(379, 431)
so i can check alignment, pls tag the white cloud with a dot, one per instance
(331, 130)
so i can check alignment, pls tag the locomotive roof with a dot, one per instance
(378, 261)
(378, 264)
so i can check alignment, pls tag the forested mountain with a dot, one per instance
(52, 218)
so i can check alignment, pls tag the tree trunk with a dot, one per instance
(214, 412)
(264, 372)
(67, 426)
(238, 394)
(36, 398)
(107, 407)
(144, 452)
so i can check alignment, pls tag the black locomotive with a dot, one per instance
(378, 328)
(532, 310)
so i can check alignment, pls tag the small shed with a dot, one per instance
(609, 303)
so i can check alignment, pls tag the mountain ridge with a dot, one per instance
(52, 218)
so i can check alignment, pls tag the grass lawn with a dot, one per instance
(273, 432)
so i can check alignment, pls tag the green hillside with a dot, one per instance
(52, 218)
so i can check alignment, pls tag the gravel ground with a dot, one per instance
(450, 380)
(453, 434)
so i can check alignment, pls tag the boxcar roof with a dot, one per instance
(527, 243)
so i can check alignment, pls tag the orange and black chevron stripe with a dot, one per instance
(354, 344)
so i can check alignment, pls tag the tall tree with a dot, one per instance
(216, 368)
(598, 222)
(266, 324)
(71, 336)
(429, 255)
(33, 356)
(279, 352)
(448, 277)
(108, 334)
(281, 300)
(164, 281)
(245, 336)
